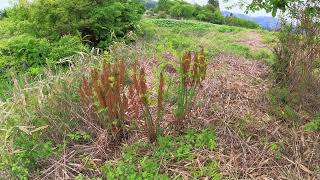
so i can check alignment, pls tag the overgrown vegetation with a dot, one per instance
(151, 109)
(298, 57)
(110, 103)
(35, 34)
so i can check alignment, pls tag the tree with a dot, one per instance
(40, 32)
(163, 5)
(96, 20)
(214, 3)
(274, 6)
(182, 10)
(3, 14)
(187, 10)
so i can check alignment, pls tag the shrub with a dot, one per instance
(66, 46)
(23, 53)
(95, 20)
(29, 152)
(39, 32)
(182, 10)
(163, 5)
(283, 103)
(240, 22)
(210, 16)
(162, 15)
(297, 57)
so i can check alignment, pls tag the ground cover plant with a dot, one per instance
(147, 161)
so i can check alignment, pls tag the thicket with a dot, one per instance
(34, 34)
(208, 13)
(298, 59)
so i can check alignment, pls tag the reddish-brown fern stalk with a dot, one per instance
(160, 102)
(191, 78)
(185, 66)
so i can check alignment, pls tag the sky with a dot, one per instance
(4, 3)
(223, 6)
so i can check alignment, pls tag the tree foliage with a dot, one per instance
(208, 13)
(33, 33)
(214, 3)
(274, 6)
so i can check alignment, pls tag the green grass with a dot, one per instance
(147, 161)
(175, 35)
(314, 125)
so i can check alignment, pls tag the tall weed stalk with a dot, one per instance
(192, 72)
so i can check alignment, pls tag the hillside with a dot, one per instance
(232, 132)
(268, 23)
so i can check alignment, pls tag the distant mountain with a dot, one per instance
(151, 4)
(269, 23)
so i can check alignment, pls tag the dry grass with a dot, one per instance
(233, 100)
(253, 40)
(235, 103)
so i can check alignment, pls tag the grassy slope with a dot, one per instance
(189, 35)
(42, 103)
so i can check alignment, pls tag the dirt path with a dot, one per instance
(253, 40)
(234, 101)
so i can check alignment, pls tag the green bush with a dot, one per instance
(162, 15)
(282, 103)
(29, 152)
(209, 16)
(95, 20)
(182, 11)
(25, 53)
(39, 33)
(66, 46)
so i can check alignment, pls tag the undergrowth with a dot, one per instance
(147, 161)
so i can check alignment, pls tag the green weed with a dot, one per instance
(276, 150)
(282, 103)
(314, 125)
(145, 161)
